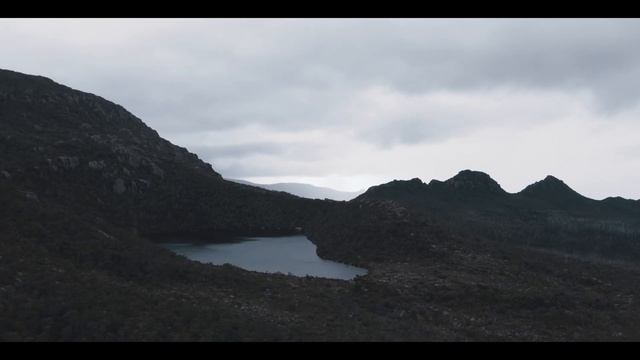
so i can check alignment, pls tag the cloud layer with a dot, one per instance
(348, 103)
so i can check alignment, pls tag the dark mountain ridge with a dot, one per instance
(547, 214)
(470, 188)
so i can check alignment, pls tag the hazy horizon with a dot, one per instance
(351, 103)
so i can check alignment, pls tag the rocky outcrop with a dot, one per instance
(68, 162)
(96, 164)
(119, 187)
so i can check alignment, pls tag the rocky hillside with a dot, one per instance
(91, 154)
(70, 277)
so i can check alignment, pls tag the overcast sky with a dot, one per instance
(353, 103)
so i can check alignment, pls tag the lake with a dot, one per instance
(293, 255)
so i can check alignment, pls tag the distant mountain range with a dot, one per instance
(305, 190)
(475, 189)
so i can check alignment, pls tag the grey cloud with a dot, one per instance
(253, 168)
(217, 74)
(241, 170)
(237, 150)
(232, 156)
(304, 68)
(408, 131)
(298, 76)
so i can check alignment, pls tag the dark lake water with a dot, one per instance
(294, 255)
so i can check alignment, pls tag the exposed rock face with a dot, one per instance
(157, 171)
(97, 165)
(68, 162)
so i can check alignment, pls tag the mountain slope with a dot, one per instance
(89, 153)
(555, 193)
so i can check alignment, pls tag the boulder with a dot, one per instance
(119, 187)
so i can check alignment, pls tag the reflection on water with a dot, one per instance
(294, 255)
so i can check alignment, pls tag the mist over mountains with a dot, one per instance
(306, 190)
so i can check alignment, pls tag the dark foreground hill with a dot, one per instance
(92, 155)
(85, 186)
